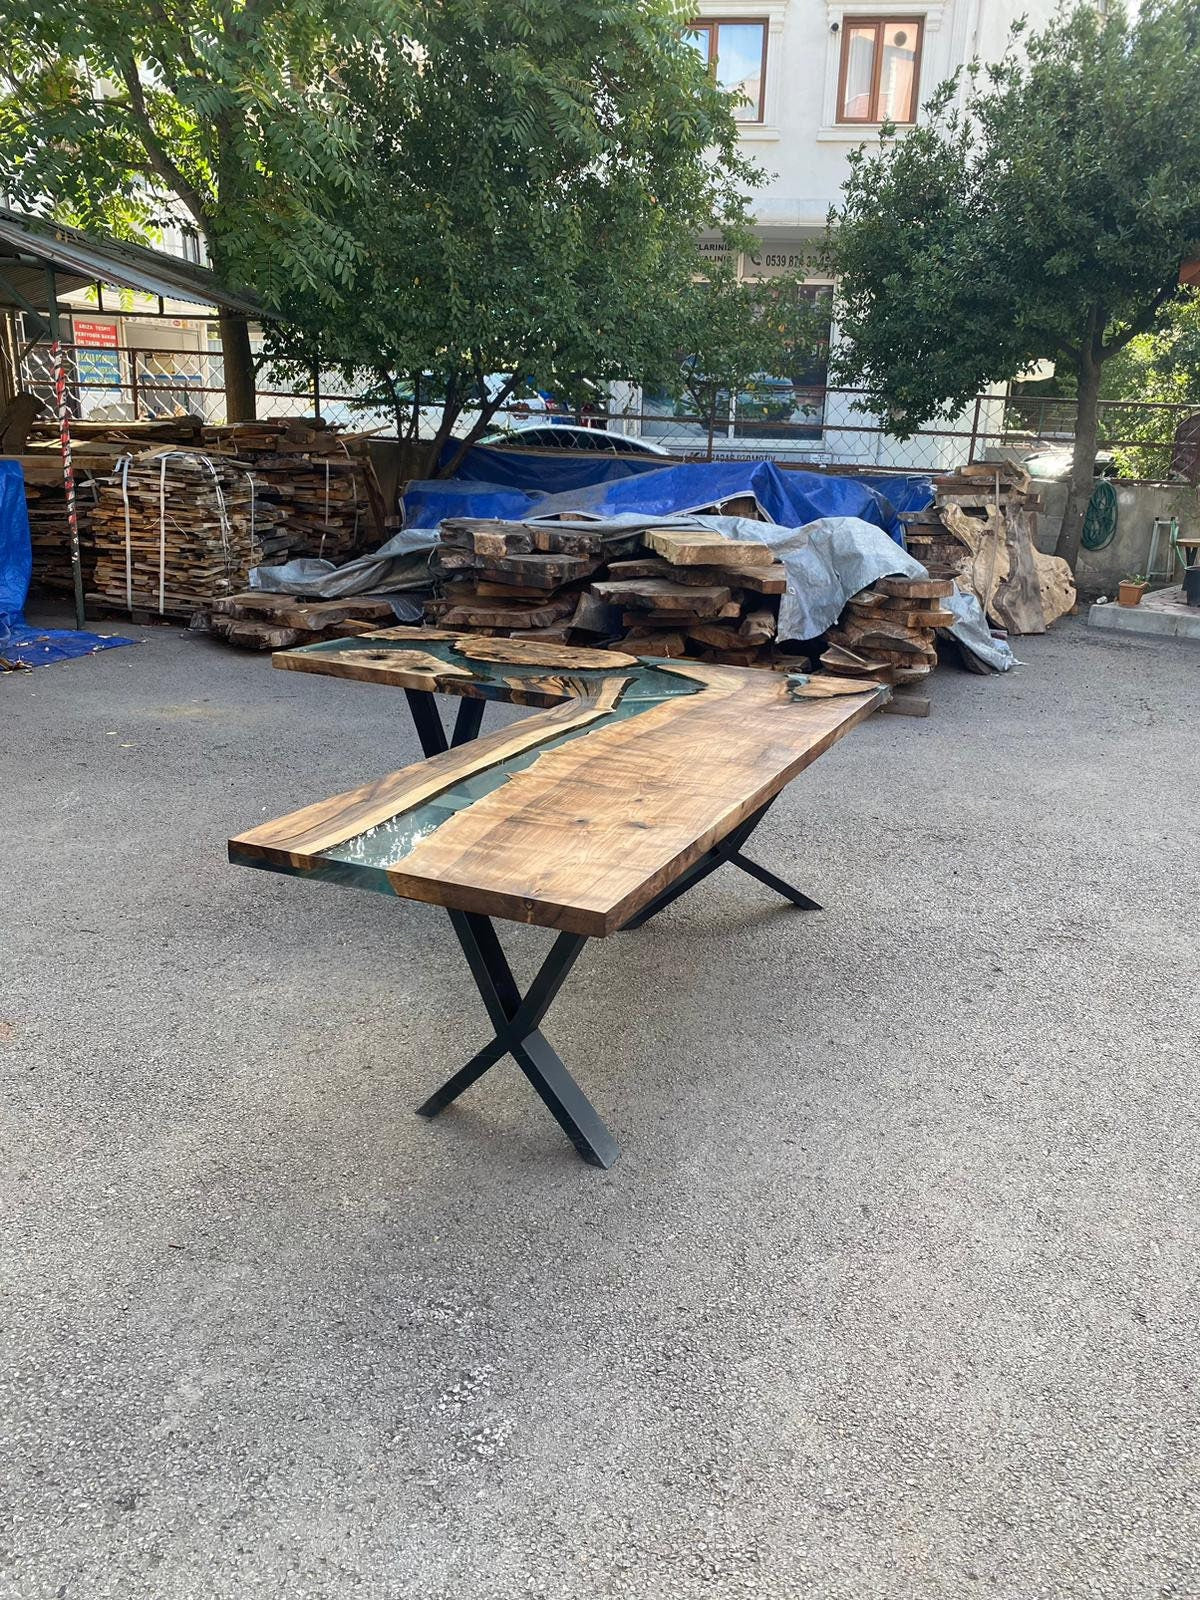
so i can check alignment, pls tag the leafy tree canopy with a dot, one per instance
(120, 117)
(1162, 367)
(535, 174)
(1043, 210)
(730, 334)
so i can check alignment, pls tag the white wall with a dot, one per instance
(799, 141)
(804, 149)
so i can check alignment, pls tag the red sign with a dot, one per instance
(97, 335)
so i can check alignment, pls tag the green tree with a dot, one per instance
(1044, 215)
(1163, 368)
(729, 336)
(535, 174)
(118, 117)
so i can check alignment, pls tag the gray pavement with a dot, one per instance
(893, 1292)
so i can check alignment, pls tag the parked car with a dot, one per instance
(1055, 462)
(569, 436)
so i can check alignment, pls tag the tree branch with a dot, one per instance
(159, 160)
(1144, 320)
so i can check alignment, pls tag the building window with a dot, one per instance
(881, 69)
(736, 53)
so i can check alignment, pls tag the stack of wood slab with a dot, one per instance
(290, 488)
(319, 478)
(46, 501)
(260, 621)
(888, 631)
(661, 591)
(176, 529)
(697, 593)
(981, 530)
(526, 579)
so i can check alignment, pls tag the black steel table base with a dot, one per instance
(728, 850)
(516, 1019)
(428, 721)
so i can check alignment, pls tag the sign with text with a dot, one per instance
(97, 362)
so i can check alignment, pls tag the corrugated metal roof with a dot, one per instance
(78, 257)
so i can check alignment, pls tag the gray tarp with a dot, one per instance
(827, 562)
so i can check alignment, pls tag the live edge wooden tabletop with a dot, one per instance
(573, 818)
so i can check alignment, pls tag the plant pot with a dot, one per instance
(1130, 594)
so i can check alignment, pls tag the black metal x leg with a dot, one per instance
(728, 850)
(428, 722)
(516, 1019)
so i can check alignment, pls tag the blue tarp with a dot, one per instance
(512, 484)
(19, 643)
(16, 554)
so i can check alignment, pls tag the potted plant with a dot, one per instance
(1131, 590)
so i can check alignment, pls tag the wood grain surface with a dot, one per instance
(589, 831)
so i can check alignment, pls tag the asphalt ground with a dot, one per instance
(892, 1293)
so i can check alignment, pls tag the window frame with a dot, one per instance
(712, 26)
(879, 23)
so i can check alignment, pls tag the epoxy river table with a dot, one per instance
(636, 781)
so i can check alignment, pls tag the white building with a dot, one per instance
(817, 78)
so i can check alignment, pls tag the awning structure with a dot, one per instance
(32, 247)
(42, 260)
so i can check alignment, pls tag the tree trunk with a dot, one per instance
(239, 368)
(1083, 461)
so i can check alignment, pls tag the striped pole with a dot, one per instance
(64, 443)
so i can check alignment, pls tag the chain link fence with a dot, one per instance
(820, 427)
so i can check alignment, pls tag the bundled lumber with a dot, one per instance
(320, 479)
(665, 591)
(176, 529)
(256, 620)
(289, 487)
(981, 531)
(888, 631)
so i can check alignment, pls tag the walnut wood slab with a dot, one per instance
(574, 818)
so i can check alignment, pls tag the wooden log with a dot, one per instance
(657, 594)
(698, 547)
(916, 588)
(758, 627)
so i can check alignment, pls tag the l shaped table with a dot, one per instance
(635, 780)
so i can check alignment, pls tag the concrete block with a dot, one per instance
(1163, 614)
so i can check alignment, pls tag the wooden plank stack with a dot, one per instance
(46, 501)
(196, 525)
(888, 631)
(290, 487)
(524, 578)
(698, 593)
(256, 620)
(319, 478)
(665, 592)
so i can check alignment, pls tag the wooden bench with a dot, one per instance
(635, 781)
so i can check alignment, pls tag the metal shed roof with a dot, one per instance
(28, 245)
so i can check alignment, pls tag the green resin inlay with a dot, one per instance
(389, 842)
